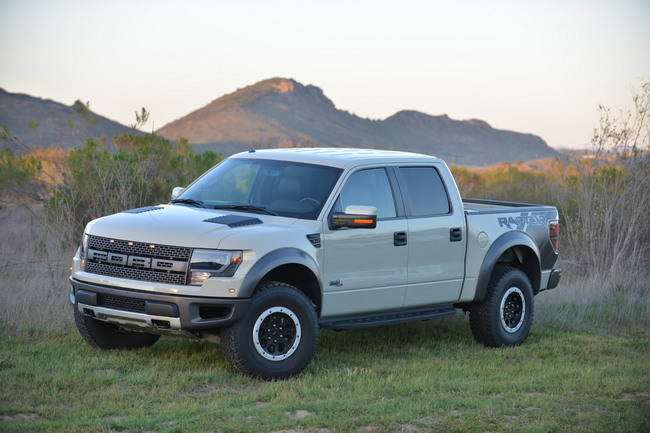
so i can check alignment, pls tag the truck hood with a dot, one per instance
(183, 225)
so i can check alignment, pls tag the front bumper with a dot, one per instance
(142, 310)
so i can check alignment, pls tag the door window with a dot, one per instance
(368, 188)
(426, 192)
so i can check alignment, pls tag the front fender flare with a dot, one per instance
(273, 260)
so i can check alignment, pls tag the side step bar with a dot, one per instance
(386, 318)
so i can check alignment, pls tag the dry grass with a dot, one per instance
(599, 302)
(33, 276)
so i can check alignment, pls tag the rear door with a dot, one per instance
(364, 270)
(436, 236)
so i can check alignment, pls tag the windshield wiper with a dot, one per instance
(190, 201)
(245, 207)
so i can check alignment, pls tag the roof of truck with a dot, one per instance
(335, 156)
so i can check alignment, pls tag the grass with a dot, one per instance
(595, 302)
(428, 376)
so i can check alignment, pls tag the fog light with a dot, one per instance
(199, 277)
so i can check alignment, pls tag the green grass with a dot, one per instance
(428, 376)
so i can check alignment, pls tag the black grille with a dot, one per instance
(121, 303)
(135, 273)
(139, 249)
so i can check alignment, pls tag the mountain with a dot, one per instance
(281, 112)
(28, 121)
(277, 112)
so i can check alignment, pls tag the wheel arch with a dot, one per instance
(288, 265)
(516, 249)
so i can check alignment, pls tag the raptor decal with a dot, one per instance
(521, 222)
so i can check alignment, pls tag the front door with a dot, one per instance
(365, 270)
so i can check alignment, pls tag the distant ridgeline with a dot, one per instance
(281, 112)
(27, 121)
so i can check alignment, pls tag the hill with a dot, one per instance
(281, 112)
(28, 121)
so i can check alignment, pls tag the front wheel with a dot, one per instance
(277, 337)
(505, 316)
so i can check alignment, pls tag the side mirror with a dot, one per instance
(177, 191)
(360, 217)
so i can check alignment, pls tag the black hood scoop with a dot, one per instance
(233, 221)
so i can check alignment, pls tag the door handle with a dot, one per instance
(399, 239)
(456, 234)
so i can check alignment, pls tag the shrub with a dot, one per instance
(603, 196)
(19, 177)
(97, 182)
(606, 210)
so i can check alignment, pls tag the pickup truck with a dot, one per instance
(270, 246)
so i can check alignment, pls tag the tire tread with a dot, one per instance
(485, 328)
(234, 338)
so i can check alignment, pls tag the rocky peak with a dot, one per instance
(284, 86)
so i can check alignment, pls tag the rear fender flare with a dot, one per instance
(498, 247)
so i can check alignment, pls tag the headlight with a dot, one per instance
(207, 263)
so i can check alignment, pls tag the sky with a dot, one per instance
(540, 67)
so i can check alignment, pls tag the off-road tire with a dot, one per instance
(505, 316)
(277, 337)
(107, 336)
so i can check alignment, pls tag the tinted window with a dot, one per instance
(369, 188)
(286, 188)
(426, 191)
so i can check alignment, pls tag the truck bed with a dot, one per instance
(475, 205)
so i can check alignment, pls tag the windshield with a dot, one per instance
(282, 188)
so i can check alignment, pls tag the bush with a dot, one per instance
(19, 177)
(603, 197)
(606, 210)
(509, 182)
(50, 195)
(97, 182)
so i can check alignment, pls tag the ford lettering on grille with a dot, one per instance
(136, 261)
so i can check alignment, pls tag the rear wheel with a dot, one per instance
(505, 316)
(104, 335)
(277, 337)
